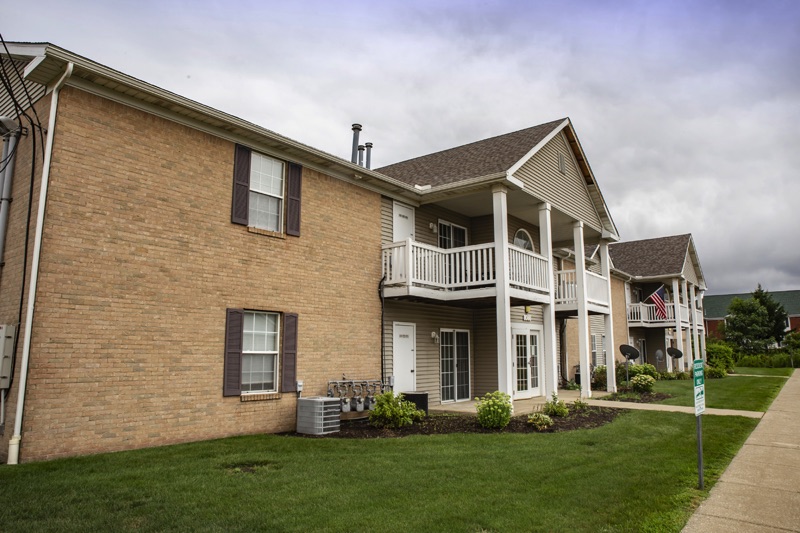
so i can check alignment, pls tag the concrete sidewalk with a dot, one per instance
(673, 408)
(760, 489)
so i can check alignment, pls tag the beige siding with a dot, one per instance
(428, 318)
(431, 214)
(387, 220)
(566, 192)
(36, 91)
(485, 353)
(689, 272)
(482, 230)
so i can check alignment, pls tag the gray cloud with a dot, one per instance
(688, 111)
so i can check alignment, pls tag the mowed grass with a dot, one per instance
(785, 372)
(636, 474)
(740, 392)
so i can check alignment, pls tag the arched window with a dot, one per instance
(523, 239)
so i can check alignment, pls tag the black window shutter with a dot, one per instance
(241, 185)
(234, 328)
(289, 353)
(294, 182)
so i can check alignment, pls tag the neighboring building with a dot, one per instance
(716, 309)
(667, 268)
(190, 268)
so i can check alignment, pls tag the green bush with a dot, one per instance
(680, 374)
(600, 377)
(540, 421)
(720, 355)
(579, 405)
(571, 385)
(636, 370)
(494, 410)
(555, 407)
(776, 360)
(666, 376)
(713, 372)
(392, 411)
(643, 383)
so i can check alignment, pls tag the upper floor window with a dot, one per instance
(266, 192)
(523, 239)
(451, 235)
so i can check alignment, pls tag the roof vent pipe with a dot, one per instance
(356, 130)
(369, 155)
(361, 155)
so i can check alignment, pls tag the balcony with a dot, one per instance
(413, 269)
(646, 315)
(566, 295)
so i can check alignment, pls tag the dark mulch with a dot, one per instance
(444, 423)
(637, 397)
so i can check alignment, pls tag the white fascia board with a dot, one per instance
(516, 166)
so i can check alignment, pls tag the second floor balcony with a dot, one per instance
(413, 269)
(647, 315)
(566, 292)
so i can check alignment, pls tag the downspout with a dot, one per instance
(13, 445)
(383, 333)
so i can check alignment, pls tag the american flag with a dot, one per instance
(658, 299)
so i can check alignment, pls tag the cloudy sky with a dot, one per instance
(689, 111)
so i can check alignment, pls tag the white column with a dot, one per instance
(695, 331)
(611, 376)
(685, 343)
(677, 306)
(583, 313)
(505, 379)
(705, 332)
(550, 356)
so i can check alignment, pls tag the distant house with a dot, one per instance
(716, 309)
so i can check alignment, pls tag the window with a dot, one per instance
(260, 352)
(266, 192)
(523, 240)
(598, 350)
(451, 235)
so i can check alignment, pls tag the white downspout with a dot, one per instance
(13, 444)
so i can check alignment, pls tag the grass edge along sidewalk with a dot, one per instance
(633, 474)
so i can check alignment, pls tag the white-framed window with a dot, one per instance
(260, 347)
(451, 235)
(266, 192)
(598, 350)
(523, 240)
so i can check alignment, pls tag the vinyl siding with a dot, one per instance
(485, 354)
(35, 90)
(568, 193)
(428, 318)
(431, 214)
(689, 272)
(387, 214)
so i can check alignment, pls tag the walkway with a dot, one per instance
(760, 489)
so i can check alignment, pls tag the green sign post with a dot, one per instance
(699, 377)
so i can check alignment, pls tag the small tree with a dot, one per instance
(775, 311)
(747, 326)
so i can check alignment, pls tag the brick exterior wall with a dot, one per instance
(140, 261)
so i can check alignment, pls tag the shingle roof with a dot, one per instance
(651, 257)
(716, 306)
(480, 158)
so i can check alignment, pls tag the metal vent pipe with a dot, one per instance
(356, 130)
(361, 155)
(369, 154)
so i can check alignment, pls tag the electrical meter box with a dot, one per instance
(6, 354)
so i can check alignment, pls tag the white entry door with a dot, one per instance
(404, 357)
(527, 363)
(402, 222)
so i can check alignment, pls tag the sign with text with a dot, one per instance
(699, 387)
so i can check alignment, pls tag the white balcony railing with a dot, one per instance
(648, 313)
(459, 268)
(567, 288)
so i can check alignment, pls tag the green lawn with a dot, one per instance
(635, 474)
(741, 392)
(785, 372)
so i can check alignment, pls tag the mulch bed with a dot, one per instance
(445, 423)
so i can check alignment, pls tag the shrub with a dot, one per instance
(680, 374)
(555, 407)
(579, 405)
(600, 377)
(778, 360)
(540, 421)
(643, 383)
(392, 411)
(636, 370)
(720, 355)
(713, 372)
(666, 376)
(494, 410)
(571, 385)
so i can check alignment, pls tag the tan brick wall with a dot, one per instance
(139, 263)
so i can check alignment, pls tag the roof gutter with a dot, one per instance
(14, 442)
